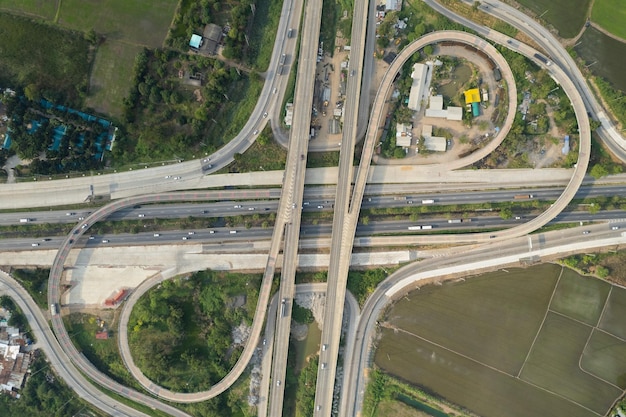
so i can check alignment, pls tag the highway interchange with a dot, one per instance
(347, 204)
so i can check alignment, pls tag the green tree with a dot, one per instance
(506, 213)
(599, 171)
(602, 271)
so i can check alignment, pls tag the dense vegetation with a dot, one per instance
(51, 62)
(35, 281)
(607, 265)
(46, 395)
(192, 16)
(181, 331)
(363, 283)
(168, 119)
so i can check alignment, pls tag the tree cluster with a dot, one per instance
(165, 117)
(78, 148)
(181, 332)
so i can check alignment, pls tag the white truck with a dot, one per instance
(24, 220)
(428, 201)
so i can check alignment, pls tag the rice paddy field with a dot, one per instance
(526, 342)
(567, 16)
(611, 15)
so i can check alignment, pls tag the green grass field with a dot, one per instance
(611, 15)
(604, 357)
(111, 77)
(580, 298)
(483, 344)
(44, 9)
(553, 365)
(613, 317)
(133, 21)
(514, 298)
(567, 16)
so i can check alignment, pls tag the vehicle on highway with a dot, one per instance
(185, 238)
(615, 228)
(45, 239)
(81, 218)
(34, 244)
(211, 231)
(92, 237)
(518, 218)
(177, 178)
(156, 235)
(428, 201)
(523, 197)
(283, 57)
(105, 240)
(232, 232)
(141, 215)
(586, 232)
(69, 213)
(302, 157)
(191, 233)
(283, 305)
(410, 202)
(274, 91)
(320, 207)
(290, 33)
(167, 177)
(278, 383)
(24, 220)
(264, 115)
(251, 209)
(256, 131)
(306, 203)
(237, 206)
(323, 365)
(54, 309)
(324, 347)
(352, 73)
(264, 342)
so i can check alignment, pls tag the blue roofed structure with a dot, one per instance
(195, 41)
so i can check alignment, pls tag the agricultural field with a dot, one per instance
(611, 15)
(131, 21)
(111, 77)
(510, 342)
(567, 16)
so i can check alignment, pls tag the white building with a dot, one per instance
(404, 135)
(418, 87)
(433, 143)
(288, 114)
(393, 5)
(435, 109)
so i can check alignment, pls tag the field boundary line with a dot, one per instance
(58, 12)
(532, 345)
(580, 364)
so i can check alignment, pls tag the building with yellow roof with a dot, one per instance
(472, 96)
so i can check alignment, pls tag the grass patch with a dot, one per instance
(33, 8)
(104, 354)
(328, 29)
(611, 15)
(322, 159)
(264, 155)
(56, 65)
(613, 317)
(111, 77)
(263, 33)
(133, 21)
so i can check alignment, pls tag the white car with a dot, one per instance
(156, 235)
(615, 228)
(141, 215)
(320, 207)
(105, 241)
(237, 206)
(177, 178)
(167, 177)
(251, 208)
(191, 233)
(264, 115)
(255, 132)
(185, 238)
(34, 244)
